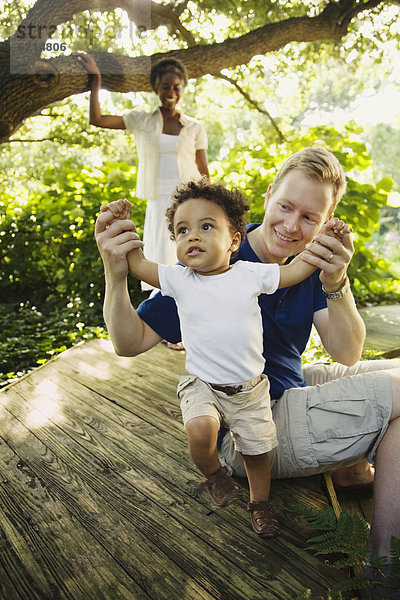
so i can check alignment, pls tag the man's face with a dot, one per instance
(294, 214)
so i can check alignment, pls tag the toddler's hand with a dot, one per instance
(336, 228)
(120, 209)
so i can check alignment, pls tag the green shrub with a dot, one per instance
(47, 246)
(253, 168)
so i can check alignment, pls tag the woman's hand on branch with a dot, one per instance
(88, 62)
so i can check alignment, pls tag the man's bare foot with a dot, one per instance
(360, 474)
(178, 346)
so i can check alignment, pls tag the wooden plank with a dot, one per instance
(162, 447)
(7, 588)
(361, 500)
(120, 464)
(200, 527)
(139, 371)
(383, 328)
(166, 538)
(45, 550)
(130, 547)
(140, 391)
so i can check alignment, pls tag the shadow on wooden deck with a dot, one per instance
(100, 500)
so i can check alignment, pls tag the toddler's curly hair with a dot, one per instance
(232, 202)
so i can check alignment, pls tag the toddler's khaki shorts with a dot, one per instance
(247, 414)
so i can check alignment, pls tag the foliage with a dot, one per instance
(384, 141)
(324, 74)
(49, 258)
(47, 248)
(252, 167)
(51, 273)
(377, 292)
(315, 351)
(345, 542)
(387, 243)
(31, 336)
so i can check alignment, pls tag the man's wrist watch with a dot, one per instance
(340, 293)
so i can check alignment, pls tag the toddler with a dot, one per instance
(222, 333)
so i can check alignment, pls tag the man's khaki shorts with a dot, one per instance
(246, 414)
(326, 425)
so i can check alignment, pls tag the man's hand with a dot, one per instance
(331, 251)
(115, 238)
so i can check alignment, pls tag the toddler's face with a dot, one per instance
(204, 240)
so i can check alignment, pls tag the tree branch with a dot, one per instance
(146, 14)
(349, 10)
(44, 82)
(254, 104)
(25, 45)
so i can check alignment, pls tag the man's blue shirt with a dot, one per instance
(287, 317)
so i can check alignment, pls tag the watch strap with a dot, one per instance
(340, 293)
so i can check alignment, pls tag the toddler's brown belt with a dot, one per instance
(230, 390)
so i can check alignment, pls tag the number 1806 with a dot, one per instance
(54, 46)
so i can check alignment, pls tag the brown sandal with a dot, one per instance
(223, 489)
(263, 518)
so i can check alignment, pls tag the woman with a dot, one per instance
(172, 148)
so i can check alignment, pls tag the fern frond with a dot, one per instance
(330, 547)
(395, 560)
(353, 531)
(326, 538)
(378, 563)
(350, 535)
(343, 563)
(395, 549)
(324, 520)
(356, 584)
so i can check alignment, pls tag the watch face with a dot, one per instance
(339, 294)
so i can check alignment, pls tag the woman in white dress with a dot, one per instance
(172, 148)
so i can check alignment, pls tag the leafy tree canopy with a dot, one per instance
(278, 38)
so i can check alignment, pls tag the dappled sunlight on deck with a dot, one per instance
(99, 497)
(44, 406)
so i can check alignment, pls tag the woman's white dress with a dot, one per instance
(165, 161)
(158, 245)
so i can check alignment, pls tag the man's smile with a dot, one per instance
(284, 238)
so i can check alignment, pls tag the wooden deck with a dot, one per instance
(100, 500)
(383, 329)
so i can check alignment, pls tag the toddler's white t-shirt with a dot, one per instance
(221, 319)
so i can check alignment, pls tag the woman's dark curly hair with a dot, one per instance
(232, 202)
(167, 65)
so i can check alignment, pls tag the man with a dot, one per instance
(320, 427)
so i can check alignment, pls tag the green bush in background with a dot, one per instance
(47, 246)
(51, 274)
(253, 168)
